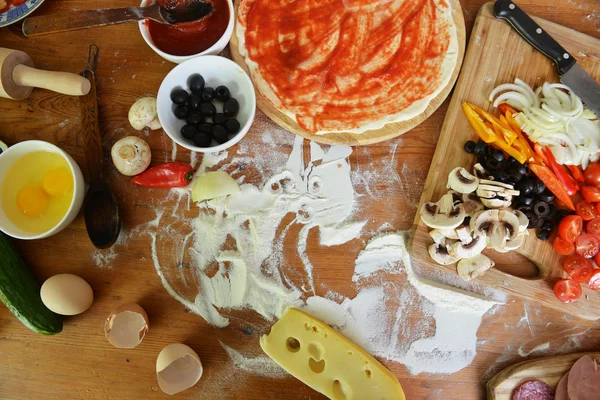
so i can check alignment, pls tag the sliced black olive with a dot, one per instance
(498, 155)
(533, 220)
(202, 139)
(513, 162)
(194, 102)
(526, 201)
(188, 131)
(208, 94)
(222, 93)
(179, 96)
(547, 226)
(232, 126)
(470, 147)
(524, 209)
(526, 187)
(220, 134)
(547, 196)
(492, 164)
(231, 107)
(541, 209)
(196, 83)
(479, 148)
(219, 118)
(539, 187)
(553, 210)
(501, 176)
(195, 119)
(181, 112)
(522, 169)
(208, 109)
(543, 235)
(205, 128)
(488, 150)
(515, 175)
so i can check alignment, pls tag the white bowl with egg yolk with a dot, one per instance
(19, 150)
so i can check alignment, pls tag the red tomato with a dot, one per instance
(567, 290)
(569, 228)
(579, 268)
(598, 208)
(597, 259)
(562, 247)
(590, 193)
(594, 282)
(592, 174)
(586, 210)
(593, 227)
(587, 246)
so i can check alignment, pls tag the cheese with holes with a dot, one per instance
(327, 361)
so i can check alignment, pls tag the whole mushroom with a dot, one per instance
(143, 114)
(131, 155)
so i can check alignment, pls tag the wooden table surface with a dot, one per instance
(80, 363)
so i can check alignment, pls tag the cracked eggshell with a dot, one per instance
(126, 327)
(178, 368)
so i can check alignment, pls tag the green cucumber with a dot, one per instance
(20, 292)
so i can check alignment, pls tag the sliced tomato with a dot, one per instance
(567, 290)
(569, 229)
(563, 247)
(592, 174)
(587, 246)
(590, 193)
(594, 282)
(578, 267)
(593, 227)
(586, 210)
(597, 259)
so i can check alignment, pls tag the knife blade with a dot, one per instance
(571, 73)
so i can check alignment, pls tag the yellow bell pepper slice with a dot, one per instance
(485, 133)
(506, 132)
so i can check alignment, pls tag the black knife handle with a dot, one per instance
(534, 34)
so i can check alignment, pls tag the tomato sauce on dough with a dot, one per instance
(188, 38)
(340, 64)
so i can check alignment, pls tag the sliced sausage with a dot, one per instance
(533, 390)
(561, 390)
(584, 380)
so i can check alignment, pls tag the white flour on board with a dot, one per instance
(235, 261)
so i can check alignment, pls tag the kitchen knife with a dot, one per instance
(571, 73)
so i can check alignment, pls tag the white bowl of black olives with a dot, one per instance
(206, 104)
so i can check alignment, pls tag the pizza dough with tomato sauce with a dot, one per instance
(348, 65)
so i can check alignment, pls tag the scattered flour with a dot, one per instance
(261, 365)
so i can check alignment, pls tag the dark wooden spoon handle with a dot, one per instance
(91, 129)
(70, 21)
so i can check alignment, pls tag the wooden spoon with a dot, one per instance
(100, 209)
(69, 21)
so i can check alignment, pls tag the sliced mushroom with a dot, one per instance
(495, 194)
(462, 181)
(437, 236)
(523, 221)
(513, 244)
(476, 246)
(471, 268)
(464, 234)
(481, 172)
(472, 204)
(443, 214)
(500, 227)
(457, 198)
(441, 254)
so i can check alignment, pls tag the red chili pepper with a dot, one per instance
(169, 175)
(561, 173)
(576, 172)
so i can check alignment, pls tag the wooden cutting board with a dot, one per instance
(548, 370)
(497, 54)
(388, 131)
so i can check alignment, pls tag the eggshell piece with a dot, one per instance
(178, 368)
(67, 294)
(126, 327)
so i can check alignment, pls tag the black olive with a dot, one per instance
(479, 148)
(179, 96)
(524, 209)
(232, 126)
(543, 235)
(498, 155)
(488, 150)
(194, 102)
(492, 164)
(527, 170)
(541, 209)
(526, 187)
(231, 107)
(222, 93)
(515, 175)
(181, 112)
(501, 176)
(522, 169)
(188, 131)
(553, 210)
(220, 134)
(208, 109)
(205, 128)
(195, 119)
(202, 139)
(547, 196)
(533, 220)
(208, 94)
(219, 118)
(513, 162)
(470, 147)
(547, 226)
(526, 201)
(196, 83)
(539, 187)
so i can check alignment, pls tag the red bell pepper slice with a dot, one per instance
(576, 172)
(561, 173)
(540, 152)
(169, 175)
(504, 107)
(552, 184)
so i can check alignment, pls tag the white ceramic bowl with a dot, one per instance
(216, 71)
(212, 50)
(19, 150)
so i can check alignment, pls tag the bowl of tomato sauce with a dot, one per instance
(184, 40)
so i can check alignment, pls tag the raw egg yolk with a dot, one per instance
(57, 182)
(32, 201)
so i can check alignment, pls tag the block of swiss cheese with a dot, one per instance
(327, 361)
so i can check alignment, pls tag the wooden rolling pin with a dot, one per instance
(18, 77)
